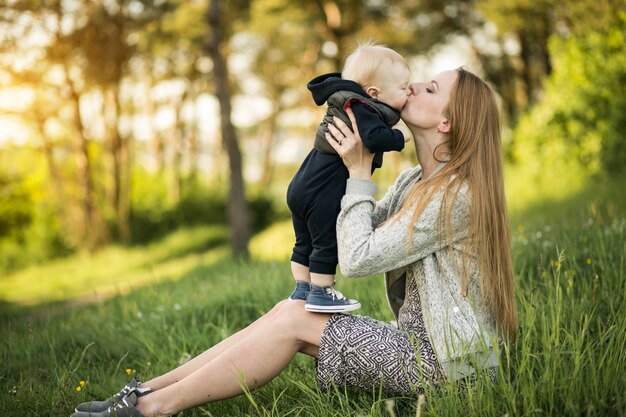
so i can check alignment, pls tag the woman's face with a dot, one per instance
(424, 107)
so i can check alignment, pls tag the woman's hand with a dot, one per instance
(350, 148)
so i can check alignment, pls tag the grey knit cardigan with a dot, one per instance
(460, 327)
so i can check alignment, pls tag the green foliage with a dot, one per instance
(29, 229)
(580, 122)
(41, 241)
(153, 214)
(16, 207)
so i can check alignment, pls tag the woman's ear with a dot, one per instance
(373, 91)
(444, 126)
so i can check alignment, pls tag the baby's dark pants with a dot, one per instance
(314, 198)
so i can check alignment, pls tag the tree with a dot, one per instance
(216, 46)
(103, 44)
(581, 116)
(284, 53)
(94, 232)
(87, 48)
(172, 49)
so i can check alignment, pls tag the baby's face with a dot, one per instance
(394, 86)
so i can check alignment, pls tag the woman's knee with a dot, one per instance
(293, 320)
(289, 314)
(277, 307)
(290, 308)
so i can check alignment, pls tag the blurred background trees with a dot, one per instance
(125, 119)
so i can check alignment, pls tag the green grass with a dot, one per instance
(115, 269)
(570, 358)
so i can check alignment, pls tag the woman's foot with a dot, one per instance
(98, 406)
(126, 407)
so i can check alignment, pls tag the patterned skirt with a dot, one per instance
(362, 352)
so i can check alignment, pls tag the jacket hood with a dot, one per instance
(323, 86)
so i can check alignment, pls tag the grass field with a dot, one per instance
(158, 305)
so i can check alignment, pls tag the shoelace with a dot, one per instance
(117, 406)
(121, 405)
(127, 389)
(335, 294)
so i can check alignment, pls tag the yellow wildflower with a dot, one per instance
(82, 383)
(129, 371)
(78, 388)
(588, 261)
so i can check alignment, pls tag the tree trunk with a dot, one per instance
(508, 87)
(502, 73)
(113, 148)
(268, 146)
(119, 160)
(93, 232)
(156, 139)
(194, 148)
(535, 57)
(48, 150)
(237, 204)
(341, 21)
(125, 174)
(178, 138)
(526, 57)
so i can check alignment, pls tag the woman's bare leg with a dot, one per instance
(202, 359)
(251, 361)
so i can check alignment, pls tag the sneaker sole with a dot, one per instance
(331, 309)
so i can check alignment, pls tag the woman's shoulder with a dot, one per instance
(409, 175)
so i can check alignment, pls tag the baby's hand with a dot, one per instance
(405, 131)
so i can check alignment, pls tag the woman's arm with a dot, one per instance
(358, 160)
(388, 204)
(365, 249)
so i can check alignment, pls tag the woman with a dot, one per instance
(441, 236)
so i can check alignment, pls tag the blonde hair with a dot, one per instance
(476, 160)
(366, 63)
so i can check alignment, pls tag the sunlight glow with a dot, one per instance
(13, 101)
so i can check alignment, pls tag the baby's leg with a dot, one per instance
(300, 259)
(300, 272)
(303, 281)
(322, 280)
(322, 297)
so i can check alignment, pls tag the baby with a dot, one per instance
(374, 83)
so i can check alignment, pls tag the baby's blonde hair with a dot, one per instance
(366, 63)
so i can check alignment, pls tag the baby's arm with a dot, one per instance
(376, 136)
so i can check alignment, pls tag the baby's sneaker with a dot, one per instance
(328, 300)
(301, 291)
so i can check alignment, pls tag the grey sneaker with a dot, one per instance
(301, 291)
(328, 300)
(124, 408)
(97, 406)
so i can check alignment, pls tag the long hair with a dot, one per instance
(475, 159)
